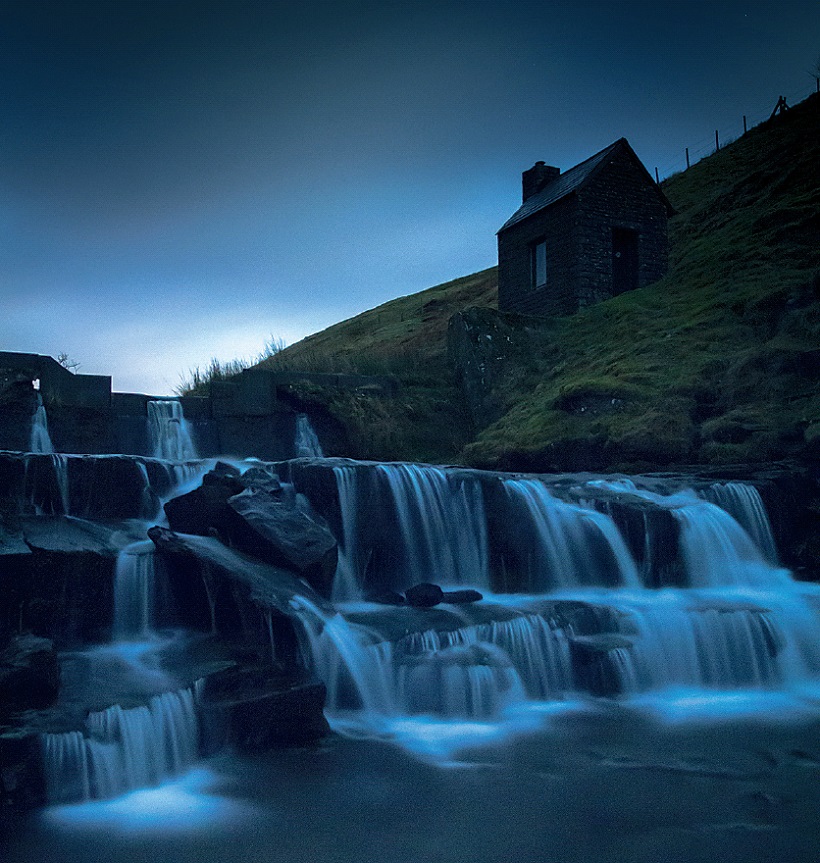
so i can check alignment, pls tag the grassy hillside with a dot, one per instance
(718, 362)
(405, 338)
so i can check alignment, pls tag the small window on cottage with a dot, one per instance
(538, 264)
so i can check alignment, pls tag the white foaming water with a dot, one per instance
(123, 749)
(169, 431)
(573, 545)
(346, 582)
(742, 627)
(459, 678)
(40, 438)
(306, 443)
(442, 525)
(134, 591)
(717, 551)
(744, 504)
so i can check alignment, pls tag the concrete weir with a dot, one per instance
(249, 415)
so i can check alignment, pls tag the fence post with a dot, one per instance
(744, 124)
(717, 142)
(657, 178)
(687, 158)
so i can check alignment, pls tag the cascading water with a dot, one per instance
(441, 522)
(571, 545)
(346, 583)
(744, 504)
(306, 443)
(134, 592)
(40, 438)
(124, 749)
(589, 626)
(718, 552)
(169, 431)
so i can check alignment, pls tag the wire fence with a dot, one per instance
(721, 137)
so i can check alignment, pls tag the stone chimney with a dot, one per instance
(536, 178)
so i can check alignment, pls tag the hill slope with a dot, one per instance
(718, 362)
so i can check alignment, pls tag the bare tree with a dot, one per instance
(67, 363)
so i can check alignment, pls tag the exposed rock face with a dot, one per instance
(284, 534)
(243, 600)
(595, 663)
(482, 345)
(424, 595)
(205, 508)
(57, 577)
(22, 784)
(29, 674)
(253, 514)
(255, 711)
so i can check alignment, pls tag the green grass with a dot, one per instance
(718, 362)
(719, 354)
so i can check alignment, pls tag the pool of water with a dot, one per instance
(591, 784)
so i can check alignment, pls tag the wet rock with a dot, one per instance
(262, 478)
(258, 711)
(461, 597)
(424, 595)
(595, 663)
(65, 590)
(29, 674)
(284, 534)
(22, 783)
(213, 586)
(204, 508)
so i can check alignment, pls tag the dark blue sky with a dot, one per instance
(185, 180)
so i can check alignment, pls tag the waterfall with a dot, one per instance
(348, 578)
(744, 504)
(60, 464)
(584, 629)
(340, 656)
(134, 591)
(40, 438)
(169, 431)
(123, 749)
(718, 552)
(570, 545)
(442, 526)
(306, 443)
(466, 677)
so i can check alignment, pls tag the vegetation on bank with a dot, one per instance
(718, 362)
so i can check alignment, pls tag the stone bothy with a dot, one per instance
(582, 236)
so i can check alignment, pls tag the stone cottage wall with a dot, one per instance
(515, 292)
(621, 196)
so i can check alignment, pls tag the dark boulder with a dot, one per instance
(284, 534)
(205, 508)
(213, 587)
(595, 664)
(67, 591)
(29, 674)
(257, 710)
(424, 595)
(22, 782)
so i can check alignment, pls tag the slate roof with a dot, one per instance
(569, 182)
